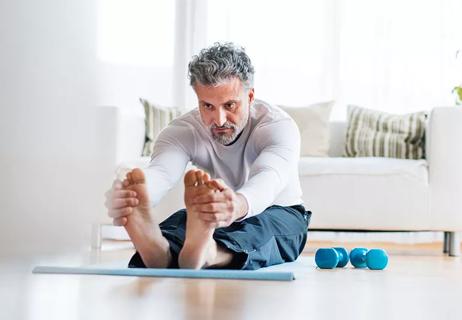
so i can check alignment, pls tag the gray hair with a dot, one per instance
(220, 62)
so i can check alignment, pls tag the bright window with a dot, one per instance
(136, 32)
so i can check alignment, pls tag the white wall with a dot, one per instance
(53, 176)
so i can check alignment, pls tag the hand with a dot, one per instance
(220, 206)
(120, 203)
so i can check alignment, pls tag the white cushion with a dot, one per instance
(374, 166)
(313, 123)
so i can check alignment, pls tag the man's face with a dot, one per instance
(224, 108)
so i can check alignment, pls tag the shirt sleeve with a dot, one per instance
(172, 152)
(278, 148)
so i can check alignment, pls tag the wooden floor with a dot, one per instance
(419, 283)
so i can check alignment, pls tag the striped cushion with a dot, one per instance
(372, 133)
(156, 119)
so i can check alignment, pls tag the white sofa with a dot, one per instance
(349, 193)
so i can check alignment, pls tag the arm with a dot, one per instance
(278, 147)
(167, 166)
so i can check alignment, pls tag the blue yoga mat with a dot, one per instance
(172, 273)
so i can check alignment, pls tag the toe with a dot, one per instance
(190, 179)
(211, 185)
(129, 178)
(216, 184)
(137, 176)
(200, 177)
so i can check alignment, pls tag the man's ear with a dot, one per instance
(251, 95)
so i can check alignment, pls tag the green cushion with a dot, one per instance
(156, 119)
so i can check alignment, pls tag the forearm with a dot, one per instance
(258, 200)
(242, 207)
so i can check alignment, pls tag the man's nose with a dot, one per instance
(219, 117)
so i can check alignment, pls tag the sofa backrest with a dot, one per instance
(337, 131)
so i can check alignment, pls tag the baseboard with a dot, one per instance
(371, 236)
(111, 232)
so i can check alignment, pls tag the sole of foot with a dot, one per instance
(198, 247)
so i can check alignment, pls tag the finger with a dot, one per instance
(119, 194)
(228, 193)
(125, 183)
(213, 217)
(117, 184)
(119, 221)
(214, 207)
(209, 197)
(123, 203)
(118, 213)
(220, 183)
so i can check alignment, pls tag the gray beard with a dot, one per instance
(228, 139)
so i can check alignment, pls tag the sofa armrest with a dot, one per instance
(444, 156)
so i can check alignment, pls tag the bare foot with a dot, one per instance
(136, 181)
(142, 228)
(199, 243)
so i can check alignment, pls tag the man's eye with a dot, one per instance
(208, 106)
(230, 105)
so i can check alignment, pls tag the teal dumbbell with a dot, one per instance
(329, 258)
(374, 259)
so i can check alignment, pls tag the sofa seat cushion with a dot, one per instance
(372, 166)
(366, 193)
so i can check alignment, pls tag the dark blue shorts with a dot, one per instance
(275, 236)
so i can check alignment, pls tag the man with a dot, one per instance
(243, 207)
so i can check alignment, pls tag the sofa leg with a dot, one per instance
(454, 244)
(96, 236)
(446, 242)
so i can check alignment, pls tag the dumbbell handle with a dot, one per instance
(375, 259)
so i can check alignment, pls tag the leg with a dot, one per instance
(274, 236)
(142, 228)
(454, 244)
(174, 230)
(219, 256)
(446, 242)
(199, 249)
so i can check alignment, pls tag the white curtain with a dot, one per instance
(289, 42)
(396, 56)
(391, 55)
